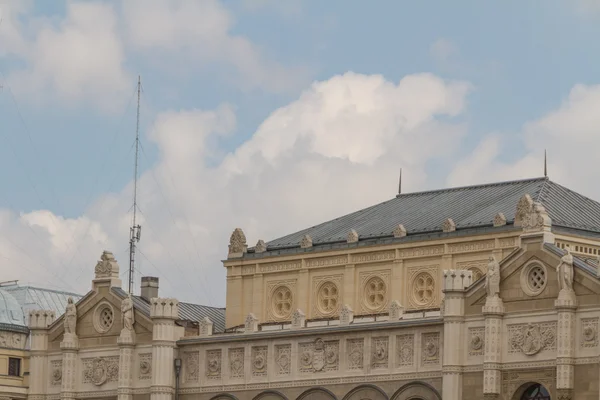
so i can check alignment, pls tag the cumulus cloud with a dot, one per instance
(336, 148)
(570, 135)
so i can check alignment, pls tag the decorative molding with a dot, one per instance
(191, 366)
(318, 356)
(104, 317)
(405, 350)
(355, 354)
(430, 353)
(507, 242)
(512, 380)
(282, 266)
(466, 247)
(533, 278)
(326, 261)
(55, 372)
(425, 251)
(374, 290)
(259, 361)
(13, 340)
(281, 299)
(532, 338)
(213, 364)
(423, 286)
(380, 352)
(476, 341)
(236, 363)
(248, 269)
(145, 366)
(327, 295)
(477, 267)
(589, 333)
(374, 257)
(283, 359)
(100, 370)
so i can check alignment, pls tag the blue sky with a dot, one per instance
(241, 86)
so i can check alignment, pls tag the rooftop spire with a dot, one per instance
(545, 164)
(400, 182)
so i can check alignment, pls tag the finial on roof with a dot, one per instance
(306, 242)
(448, 225)
(400, 182)
(352, 236)
(260, 247)
(399, 231)
(499, 220)
(237, 243)
(545, 164)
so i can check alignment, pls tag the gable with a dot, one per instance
(99, 321)
(528, 281)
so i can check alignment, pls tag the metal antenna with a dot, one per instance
(400, 182)
(545, 164)
(135, 230)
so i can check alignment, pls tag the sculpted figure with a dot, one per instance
(70, 317)
(492, 278)
(127, 312)
(565, 271)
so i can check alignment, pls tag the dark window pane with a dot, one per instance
(14, 366)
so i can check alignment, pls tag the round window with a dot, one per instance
(534, 278)
(375, 293)
(281, 302)
(328, 298)
(423, 289)
(104, 317)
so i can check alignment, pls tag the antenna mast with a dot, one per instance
(135, 230)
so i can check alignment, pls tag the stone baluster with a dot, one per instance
(39, 321)
(163, 312)
(455, 283)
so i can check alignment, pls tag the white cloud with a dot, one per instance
(79, 58)
(199, 33)
(335, 149)
(570, 135)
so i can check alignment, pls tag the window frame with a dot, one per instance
(12, 362)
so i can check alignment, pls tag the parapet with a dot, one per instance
(457, 279)
(41, 319)
(164, 308)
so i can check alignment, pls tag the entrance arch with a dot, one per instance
(532, 391)
(416, 391)
(370, 392)
(317, 394)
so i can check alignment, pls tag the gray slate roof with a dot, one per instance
(469, 207)
(187, 311)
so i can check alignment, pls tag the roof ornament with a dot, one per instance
(448, 225)
(400, 183)
(237, 243)
(260, 247)
(524, 207)
(499, 220)
(537, 219)
(399, 231)
(352, 236)
(545, 164)
(306, 242)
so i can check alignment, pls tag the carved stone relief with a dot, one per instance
(512, 380)
(191, 365)
(100, 370)
(56, 372)
(476, 341)
(532, 338)
(145, 366)
(327, 295)
(375, 291)
(318, 356)
(259, 360)
(405, 345)
(107, 266)
(14, 340)
(430, 353)
(213, 364)
(355, 351)
(380, 352)
(237, 242)
(236, 363)
(589, 332)
(422, 292)
(280, 302)
(283, 359)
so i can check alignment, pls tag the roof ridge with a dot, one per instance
(540, 195)
(480, 185)
(15, 287)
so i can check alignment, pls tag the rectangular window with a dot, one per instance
(14, 366)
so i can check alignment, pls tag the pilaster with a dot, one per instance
(70, 354)
(39, 321)
(565, 305)
(455, 282)
(493, 311)
(126, 342)
(163, 312)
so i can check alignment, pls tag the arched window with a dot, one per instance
(536, 392)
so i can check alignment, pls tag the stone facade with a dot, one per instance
(484, 315)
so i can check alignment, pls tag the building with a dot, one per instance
(15, 303)
(488, 291)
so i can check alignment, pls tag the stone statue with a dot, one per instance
(492, 278)
(565, 271)
(127, 312)
(70, 317)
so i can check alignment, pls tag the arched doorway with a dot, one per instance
(370, 392)
(535, 391)
(317, 394)
(416, 391)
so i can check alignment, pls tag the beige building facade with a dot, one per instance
(489, 291)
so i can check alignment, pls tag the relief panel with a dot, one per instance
(327, 295)
(374, 291)
(422, 286)
(280, 300)
(405, 349)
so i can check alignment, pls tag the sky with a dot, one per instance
(270, 116)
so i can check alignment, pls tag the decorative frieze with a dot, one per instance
(191, 366)
(380, 352)
(100, 370)
(422, 251)
(530, 339)
(430, 343)
(326, 261)
(589, 333)
(236, 363)
(55, 372)
(213, 364)
(259, 361)
(318, 356)
(283, 359)
(405, 349)
(374, 257)
(355, 354)
(507, 242)
(145, 366)
(282, 266)
(471, 246)
(248, 269)
(13, 340)
(476, 341)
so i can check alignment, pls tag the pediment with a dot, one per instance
(528, 281)
(99, 321)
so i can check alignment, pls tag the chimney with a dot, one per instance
(149, 287)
